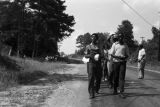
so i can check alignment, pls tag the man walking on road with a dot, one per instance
(105, 76)
(141, 61)
(111, 41)
(94, 66)
(120, 53)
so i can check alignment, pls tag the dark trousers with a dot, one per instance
(105, 70)
(94, 77)
(110, 79)
(141, 66)
(119, 72)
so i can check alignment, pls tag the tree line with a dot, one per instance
(126, 29)
(34, 27)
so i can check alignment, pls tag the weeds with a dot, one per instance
(14, 71)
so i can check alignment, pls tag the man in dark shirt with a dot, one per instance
(94, 66)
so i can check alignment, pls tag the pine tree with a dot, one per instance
(35, 26)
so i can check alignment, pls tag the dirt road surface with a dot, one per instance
(139, 93)
(73, 92)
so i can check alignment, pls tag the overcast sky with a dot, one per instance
(105, 16)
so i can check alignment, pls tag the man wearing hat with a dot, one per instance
(111, 41)
(119, 53)
(94, 66)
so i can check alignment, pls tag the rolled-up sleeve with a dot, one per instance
(87, 52)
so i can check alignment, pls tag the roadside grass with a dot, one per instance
(17, 71)
(9, 70)
(27, 82)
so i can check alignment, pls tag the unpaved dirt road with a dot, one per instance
(139, 93)
(73, 92)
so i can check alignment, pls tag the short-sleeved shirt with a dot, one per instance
(119, 50)
(141, 53)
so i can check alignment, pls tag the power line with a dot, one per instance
(137, 12)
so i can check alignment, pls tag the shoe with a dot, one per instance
(120, 90)
(140, 77)
(97, 92)
(122, 95)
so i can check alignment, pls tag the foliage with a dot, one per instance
(126, 29)
(86, 39)
(152, 44)
(33, 27)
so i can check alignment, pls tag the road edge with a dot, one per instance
(145, 69)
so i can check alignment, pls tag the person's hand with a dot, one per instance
(119, 57)
(111, 55)
(89, 56)
(122, 57)
(139, 60)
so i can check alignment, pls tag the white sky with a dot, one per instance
(105, 16)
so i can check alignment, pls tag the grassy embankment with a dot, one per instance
(16, 71)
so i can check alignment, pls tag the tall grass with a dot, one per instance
(14, 71)
(9, 71)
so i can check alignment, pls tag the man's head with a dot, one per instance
(95, 38)
(120, 38)
(115, 37)
(110, 38)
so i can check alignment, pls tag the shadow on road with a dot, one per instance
(153, 79)
(136, 84)
(42, 78)
(141, 94)
(29, 77)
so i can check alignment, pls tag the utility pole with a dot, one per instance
(142, 39)
(159, 40)
(159, 44)
(18, 30)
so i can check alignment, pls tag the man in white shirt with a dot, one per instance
(112, 41)
(141, 61)
(120, 53)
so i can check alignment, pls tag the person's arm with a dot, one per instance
(87, 52)
(119, 57)
(141, 58)
(112, 50)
